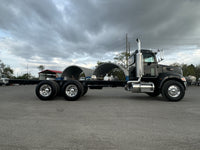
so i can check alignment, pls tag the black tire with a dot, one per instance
(46, 90)
(154, 94)
(72, 90)
(173, 91)
(85, 89)
(57, 88)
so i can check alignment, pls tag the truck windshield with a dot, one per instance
(148, 57)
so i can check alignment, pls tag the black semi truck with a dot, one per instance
(145, 76)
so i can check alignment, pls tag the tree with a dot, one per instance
(176, 64)
(116, 72)
(197, 72)
(101, 62)
(25, 76)
(41, 67)
(2, 66)
(6, 70)
(184, 68)
(121, 59)
(189, 69)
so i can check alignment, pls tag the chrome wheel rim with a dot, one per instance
(45, 90)
(174, 91)
(71, 90)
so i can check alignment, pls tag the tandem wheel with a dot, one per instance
(47, 90)
(72, 90)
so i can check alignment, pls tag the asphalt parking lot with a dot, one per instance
(108, 119)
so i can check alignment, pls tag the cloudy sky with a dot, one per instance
(59, 33)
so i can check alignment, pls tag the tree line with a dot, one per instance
(189, 69)
(6, 70)
(9, 72)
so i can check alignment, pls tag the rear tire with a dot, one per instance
(57, 88)
(46, 90)
(72, 90)
(173, 91)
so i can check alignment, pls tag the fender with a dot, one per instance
(163, 77)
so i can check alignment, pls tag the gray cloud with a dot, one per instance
(91, 27)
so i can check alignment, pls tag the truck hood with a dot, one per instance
(171, 69)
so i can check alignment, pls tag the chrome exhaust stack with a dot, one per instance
(139, 61)
(136, 86)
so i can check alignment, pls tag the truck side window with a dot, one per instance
(149, 58)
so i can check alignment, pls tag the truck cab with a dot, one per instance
(161, 79)
(150, 64)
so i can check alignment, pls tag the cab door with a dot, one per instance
(150, 65)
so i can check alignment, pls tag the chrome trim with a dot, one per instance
(174, 91)
(45, 90)
(71, 90)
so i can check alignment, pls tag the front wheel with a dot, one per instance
(173, 91)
